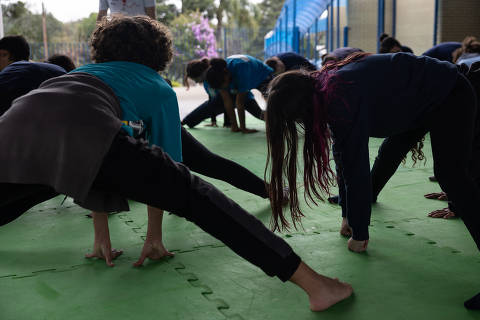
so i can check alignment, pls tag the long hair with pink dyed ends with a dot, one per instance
(299, 99)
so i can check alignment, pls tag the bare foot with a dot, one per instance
(323, 292)
(333, 292)
(357, 245)
(444, 213)
(437, 196)
(249, 130)
(345, 229)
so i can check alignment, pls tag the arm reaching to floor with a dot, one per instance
(229, 109)
(240, 102)
(153, 247)
(102, 247)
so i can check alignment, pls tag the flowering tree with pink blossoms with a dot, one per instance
(205, 36)
(193, 36)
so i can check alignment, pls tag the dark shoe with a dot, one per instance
(473, 303)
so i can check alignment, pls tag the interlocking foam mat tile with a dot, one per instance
(155, 291)
(54, 239)
(401, 277)
(416, 267)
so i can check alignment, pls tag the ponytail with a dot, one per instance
(195, 69)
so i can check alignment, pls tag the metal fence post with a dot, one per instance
(332, 44)
(309, 52)
(286, 28)
(315, 52)
(225, 43)
(381, 21)
(294, 29)
(280, 30)
(338, 23)
(435, 23)
(327, 31)
(394, 17)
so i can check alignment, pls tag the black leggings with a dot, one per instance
(395, 148)
(390, 154)
(214, 106)
(452, 132)
(16, 199)
(199, 159)
(148, 175)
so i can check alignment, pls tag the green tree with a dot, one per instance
(205, 7)
(166, 13)
(30, 26)
(14, 10)
(85, 27)
(269, 12)
(265, 14)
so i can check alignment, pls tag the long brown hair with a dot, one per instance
(300, 98)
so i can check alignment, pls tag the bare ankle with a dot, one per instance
(323, 292)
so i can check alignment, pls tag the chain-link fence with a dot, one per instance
(79, 52)
(232, 41)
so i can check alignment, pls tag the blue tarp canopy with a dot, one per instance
(305, 11)
(297, 18)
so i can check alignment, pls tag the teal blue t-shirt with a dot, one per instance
(247, 72)
(214, 92)
(143, 95)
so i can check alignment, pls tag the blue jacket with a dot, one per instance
(379, 96)
(21, 77)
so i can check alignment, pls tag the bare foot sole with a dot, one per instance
(437, 196)
(444, 213)
(332, 291)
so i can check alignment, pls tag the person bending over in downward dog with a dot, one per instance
(344, 104)
(67, 137)
(196, 70)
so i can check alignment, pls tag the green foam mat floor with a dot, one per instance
(416, 267)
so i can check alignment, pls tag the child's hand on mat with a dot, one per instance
(154, 250)
(437, 196)
(212, 124)
(104, 251)
(444, 213)
(153, 247)
(357, 246)
(345, 229)
(102, 247)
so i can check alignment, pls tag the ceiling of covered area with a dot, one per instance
(306, 12)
